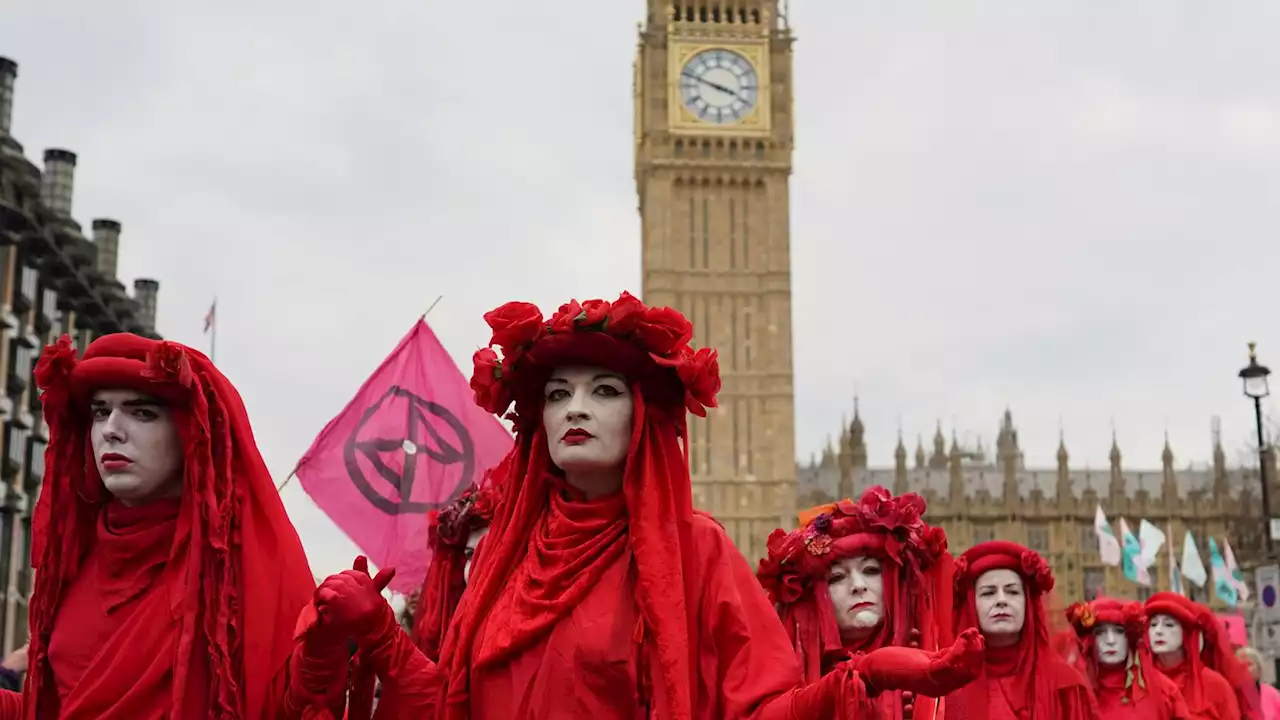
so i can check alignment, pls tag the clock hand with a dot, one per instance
(717, 86)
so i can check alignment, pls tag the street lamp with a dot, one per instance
(1254, 377)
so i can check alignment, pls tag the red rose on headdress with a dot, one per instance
(486, 382)
(515, 324)
(1037, 571)
(662, 329)
(594, 312)
(699, 372)
(55, 364)
(563, 319)
(624, 315)
(168, 362)
(935, 543)
(778, 572)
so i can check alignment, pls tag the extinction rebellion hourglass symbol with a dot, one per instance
(401, 440)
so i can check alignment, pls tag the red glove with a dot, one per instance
(933, 674)
(351, 604)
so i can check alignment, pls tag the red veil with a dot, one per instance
(916, 569)
(1030, 675)
(236, 577)
(1135, 689)
(650, 347)
(1196, 675)
(442, 588)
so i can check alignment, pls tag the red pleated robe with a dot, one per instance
(589, 661)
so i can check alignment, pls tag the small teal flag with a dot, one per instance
(1223, 586)
(1131, 550)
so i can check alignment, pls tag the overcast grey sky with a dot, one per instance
(1067, 209)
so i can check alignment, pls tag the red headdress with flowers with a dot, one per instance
(1031, 672)
(244, 577)
(1198, 623)
(1086, 617)
(650, 347)
(915, 570)
(449, 531)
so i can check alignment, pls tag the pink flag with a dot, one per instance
(410, 442)
(1234, 625)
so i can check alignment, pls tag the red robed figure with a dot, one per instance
(180, 607)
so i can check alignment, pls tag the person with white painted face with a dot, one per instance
(1116, 659)
(1190, 651)
(861, 576)
(169, 580)
(599, 591)
(1002, 588)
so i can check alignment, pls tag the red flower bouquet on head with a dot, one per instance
(660, 335)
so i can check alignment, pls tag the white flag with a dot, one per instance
(1236, 578)
(1192, 566)
(1151, 539)
(1108, 545)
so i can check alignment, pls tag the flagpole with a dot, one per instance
(423, 316)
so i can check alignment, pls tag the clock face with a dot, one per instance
(719, 86)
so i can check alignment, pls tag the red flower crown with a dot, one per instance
(796, 558)
(661, 333)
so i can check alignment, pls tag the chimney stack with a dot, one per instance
(106, 235)
(59, 180)
(145, 292)
(8, 75)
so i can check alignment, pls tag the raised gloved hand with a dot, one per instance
(351, 604)
(933, 674)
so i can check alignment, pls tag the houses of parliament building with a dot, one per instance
(976, 497)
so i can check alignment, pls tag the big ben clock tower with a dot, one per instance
(714, 139)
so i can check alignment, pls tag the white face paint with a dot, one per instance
(136, 446)
(472, 541)
(1110, 644)
(1165, 634)
(587, 418)
(856, 587)
(1002, 606)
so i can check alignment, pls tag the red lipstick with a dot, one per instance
(115, 461)
(576, 436)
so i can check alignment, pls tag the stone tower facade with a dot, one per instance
(713, 147)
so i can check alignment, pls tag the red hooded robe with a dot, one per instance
(1208, 692)
(916, 572)
(625, 606)
(182, 608)
(1131, 690)
(1028, 680)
